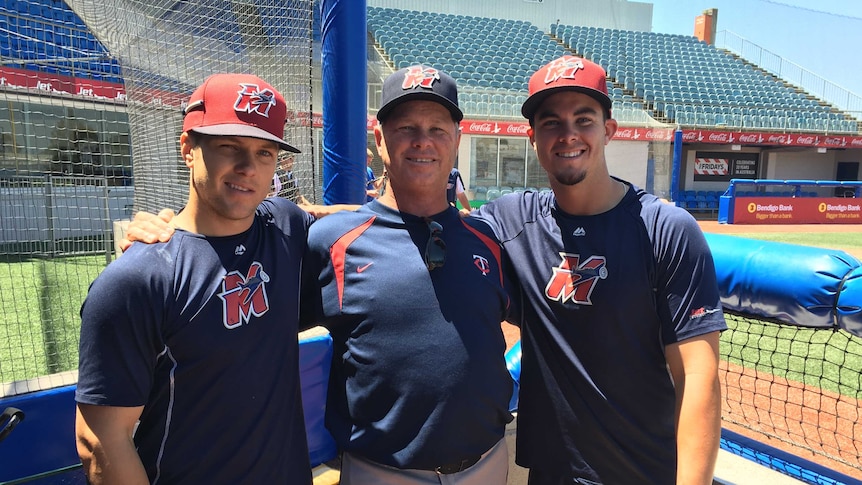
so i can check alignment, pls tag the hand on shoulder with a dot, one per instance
(148, 228)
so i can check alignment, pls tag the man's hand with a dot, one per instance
(149, 228)
(317, 211)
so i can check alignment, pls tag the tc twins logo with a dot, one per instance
(574, 281)
(417, 76)
(481, 263)
(251, 99)
(244, 296)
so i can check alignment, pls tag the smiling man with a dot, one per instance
(619, 377)
(413, 296)
(189, 369)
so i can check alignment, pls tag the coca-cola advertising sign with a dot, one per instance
(480, 127)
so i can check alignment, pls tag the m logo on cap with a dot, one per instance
(252, 100)
(563, 68)
(417, 76)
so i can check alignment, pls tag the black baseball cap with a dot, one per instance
(419, 82)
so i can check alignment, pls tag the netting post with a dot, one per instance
(345, 103)
(677, 163)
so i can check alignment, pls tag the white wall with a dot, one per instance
(628, 160)
(802, 165)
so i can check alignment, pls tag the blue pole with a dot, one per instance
(677, 163)
(343, 65)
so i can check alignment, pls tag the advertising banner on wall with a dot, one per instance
(805, 210)
(723, 166)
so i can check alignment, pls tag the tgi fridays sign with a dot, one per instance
(721, 166)
(710, 166)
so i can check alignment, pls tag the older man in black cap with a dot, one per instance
(413, 296)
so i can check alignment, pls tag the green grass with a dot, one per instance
(39, 334)
(818, 358)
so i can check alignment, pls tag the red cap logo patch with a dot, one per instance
(252, 99)
(563, 68)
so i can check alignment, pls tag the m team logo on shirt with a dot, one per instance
(574, 281)
(244, 296)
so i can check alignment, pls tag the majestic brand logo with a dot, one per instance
(244, 296)
(574, 280)
(702, 312)
(579, 232)
(252, 99)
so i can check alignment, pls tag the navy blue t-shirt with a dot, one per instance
(202, 332)
(603, 296)
(418, 374)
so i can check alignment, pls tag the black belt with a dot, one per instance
(458, 466)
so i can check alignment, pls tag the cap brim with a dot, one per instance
(454, 110)
(528, 109)
(244, 130)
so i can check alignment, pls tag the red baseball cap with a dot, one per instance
(567, 73)
(237, 105)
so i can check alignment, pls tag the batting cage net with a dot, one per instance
(91, 93)
(166, 48)
(797, 389)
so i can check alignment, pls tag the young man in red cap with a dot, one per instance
(189, 369)
(619, 378)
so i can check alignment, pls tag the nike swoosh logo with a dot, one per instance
(360, 269)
